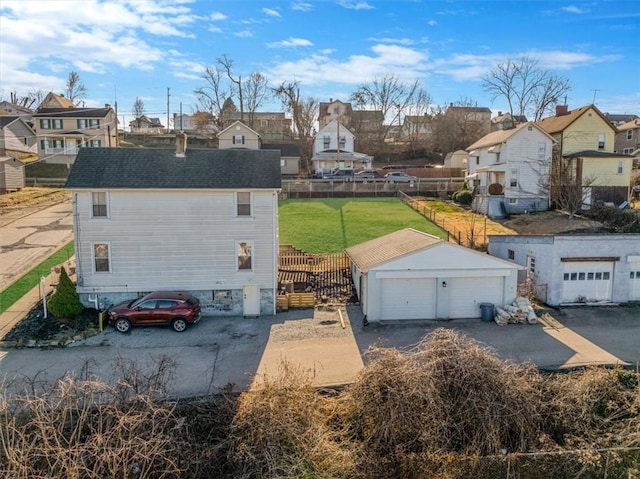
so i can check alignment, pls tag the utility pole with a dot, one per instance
(168, 95)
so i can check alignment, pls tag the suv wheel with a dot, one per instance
(179, 324)
(122, 325)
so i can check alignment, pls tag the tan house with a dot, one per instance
(62, 131)
(238, 135)
(55, 101)
(17, 138)
(11, 109)
(271, 126)
(585, 147)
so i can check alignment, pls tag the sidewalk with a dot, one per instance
(17, 311)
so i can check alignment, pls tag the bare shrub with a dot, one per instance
(79, 430)
(282, 431)
(448, 394)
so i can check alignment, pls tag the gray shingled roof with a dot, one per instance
(389, 247)
(73, 112)
(286, 149)
(595, 154)
(147, 168)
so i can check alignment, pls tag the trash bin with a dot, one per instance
(486, 311)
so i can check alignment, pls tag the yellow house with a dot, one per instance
(585, 147)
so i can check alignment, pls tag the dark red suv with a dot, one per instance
(161, 308)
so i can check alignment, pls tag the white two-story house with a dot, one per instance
(203, 221)
(509, 170)
(333, 148)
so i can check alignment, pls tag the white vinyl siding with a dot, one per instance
(185, 239)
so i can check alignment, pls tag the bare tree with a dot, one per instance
(304, 112)
(417, 131)
(227, 64)
(212, 96)
(138, 111)
(568, 190)
(75, 89)
(457, 126)
(256, 91)
(388, 95)
(32, 99)
(528, 88)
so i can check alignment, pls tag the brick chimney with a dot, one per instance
(562, 110)
(107, 105)
(181, 144)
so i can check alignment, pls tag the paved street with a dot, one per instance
(26, 241)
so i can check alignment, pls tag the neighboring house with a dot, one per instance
(409, 274)
(504, 121)
(273, 127)
(17, 138)
(619, 119)
(333, 148)
(11, 109)
(509, 170)
(334, 110)
(201, 123)
(12, 177)
(627, 139)
(55, 101)
(456, 159)
(62, 131)
(584, 148)
(289, 157)
(576, 268)
(203, 221)
(238, 135)
(479, 116)
(144, 124)
(417, 128)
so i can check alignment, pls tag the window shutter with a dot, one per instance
(243, 139)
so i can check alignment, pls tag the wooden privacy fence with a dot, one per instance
(470, 230)
(324, 278)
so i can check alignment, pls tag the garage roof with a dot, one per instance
(389, 247)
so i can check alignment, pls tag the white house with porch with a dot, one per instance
(333, 149)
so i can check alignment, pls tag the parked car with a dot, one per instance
(342, 175)
(367, 175)
(177, 309)
(399, 177)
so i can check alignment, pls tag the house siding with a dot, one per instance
(251, 138)
(549, 250)
(604, 171)
(18, 138)
(583, 134)
(177, 240)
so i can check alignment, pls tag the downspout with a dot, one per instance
(76, 223)
(276, 248)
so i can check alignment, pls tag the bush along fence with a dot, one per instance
(472, 233)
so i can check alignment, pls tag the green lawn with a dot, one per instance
(31, 279)
(322, 226)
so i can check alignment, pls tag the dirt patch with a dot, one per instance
(552, 222)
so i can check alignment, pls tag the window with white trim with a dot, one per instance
(343, 141)
(95, 143)
(513, 178)
(326, 142)
(82, 123)
(101, 258)
(238, 139)
(542, 150)
(243, 203)
(94, 122)
(51, 124)
(629, 134)
(620, 167)
(99, 204)
(601, 139)
(244, 251)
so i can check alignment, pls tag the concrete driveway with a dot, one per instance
(221, 351)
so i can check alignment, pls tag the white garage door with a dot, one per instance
(587, 281)
(466, 294)
(634, 285)
(413, 298)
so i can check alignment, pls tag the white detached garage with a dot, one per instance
(414, 275)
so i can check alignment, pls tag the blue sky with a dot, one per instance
(124, 49)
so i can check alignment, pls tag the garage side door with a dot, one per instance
(591, 281)
(466, 294)
(408, 298)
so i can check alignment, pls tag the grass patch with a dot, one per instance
(323, 226)
(30, 280)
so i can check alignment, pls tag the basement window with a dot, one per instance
(511, 254)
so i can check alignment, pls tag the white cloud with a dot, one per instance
(355, 5)
(432, 23)
(291, 43)
(405, 63)
(271, 12)
(572, 9)
(217, 16)
(399, 41)
(301, 6)
(243, 34)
